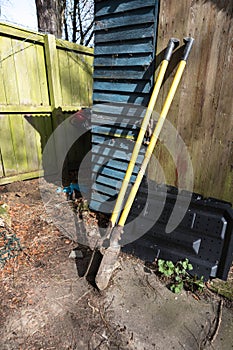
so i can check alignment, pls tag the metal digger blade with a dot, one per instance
(107, 266)
(109, 260)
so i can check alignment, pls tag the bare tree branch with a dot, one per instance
(74, 19)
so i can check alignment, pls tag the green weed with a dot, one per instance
(179, 276)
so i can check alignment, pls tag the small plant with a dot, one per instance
(166, 268)
(179, 275)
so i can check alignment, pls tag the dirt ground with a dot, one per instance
(48, 302)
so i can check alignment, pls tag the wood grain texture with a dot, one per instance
(202, 110)
(37, 74)
(125, 40)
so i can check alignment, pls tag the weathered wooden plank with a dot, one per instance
(106, 190)
(140, 86)
(76, 48)
(122, 34)
(115, 131)
(2, 87)
(89, 78)
(18, 140)
(113, 113)
(23, 72)
(43, 130)
(104, 8)
(32, 63)
(22, 33)
(77, 85)
(115, 164)
(109, 151)
(119, 61)
(53, 71)
(126, 124)
(95, 205)
(100, 198)
(107, 181)
(127, 98)
(81, 70)
(65, 79)
(113, 142)
(8, 65)
(15, 108)
(7, 148)
(136, 72)
(136, 46)
(112, 173)
(21, 177)
(82, 81)
(32, 139)
(41, 66)
(125, 19)
(112, 163)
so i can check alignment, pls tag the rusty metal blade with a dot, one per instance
(107, 266)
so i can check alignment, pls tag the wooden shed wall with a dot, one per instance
(202, 110)
(125, 43)
(40, 78)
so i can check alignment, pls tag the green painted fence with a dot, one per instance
(42, 81)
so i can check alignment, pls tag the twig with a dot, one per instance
(61, 203)
(104, 320)
(217, 323)
(68, 280)
(64, 296)
(45, 204)
(110, 303)
(82, 296)
(91, 261)
(94, 309)
(63, 228)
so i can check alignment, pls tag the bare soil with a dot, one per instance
(45, 304)
(48, 302)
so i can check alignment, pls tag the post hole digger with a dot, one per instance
(115, 230)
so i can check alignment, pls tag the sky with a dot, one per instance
(20, 12)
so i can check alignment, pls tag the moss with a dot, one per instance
(4, 214)
(224, 288)
(3, 209)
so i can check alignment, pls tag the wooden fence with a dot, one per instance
(42, 80)
(202, 110)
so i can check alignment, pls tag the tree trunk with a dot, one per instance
(50, 16)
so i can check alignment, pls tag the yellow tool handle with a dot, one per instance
(152, 143)
(173, 43)
(138, 144)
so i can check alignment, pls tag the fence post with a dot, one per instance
(53, 71)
